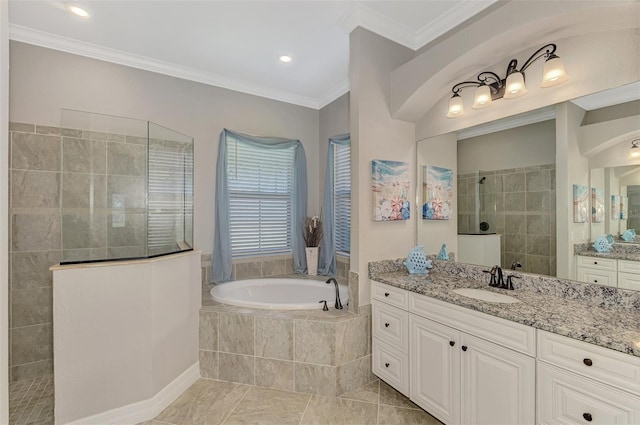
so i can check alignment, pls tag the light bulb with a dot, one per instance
(553, 72)
(515, 86)
(456, 106)
(483, 97)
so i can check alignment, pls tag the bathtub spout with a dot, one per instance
(338, 302)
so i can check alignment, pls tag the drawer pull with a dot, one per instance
(595, 280)
(464, 348)
(587, 417)
(386, 294)
(452, 343)
(386, 365)
(386, 325)
(588, 362)
(595, 262)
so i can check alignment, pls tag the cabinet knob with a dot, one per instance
(386, 294)
(588, 362)
(452, 343)
(386, 365)
(464, 348)
(595, 262)
(386, 325)
(587, 417)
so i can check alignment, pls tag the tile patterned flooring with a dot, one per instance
(209, 402)
(31, 401)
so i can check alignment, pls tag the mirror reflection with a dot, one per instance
(507, 193)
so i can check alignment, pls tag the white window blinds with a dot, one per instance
(260, 198)
(170, 196)
(342, 197)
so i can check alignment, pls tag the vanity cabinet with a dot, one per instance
(580, 383)
(458, 366)
(624, 274)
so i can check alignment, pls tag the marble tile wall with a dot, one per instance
(519, 204)
(324, 353)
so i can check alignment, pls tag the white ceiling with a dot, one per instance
(235, 44)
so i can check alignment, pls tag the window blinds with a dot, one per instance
(260, 198)
(342, 197)
(170, 196)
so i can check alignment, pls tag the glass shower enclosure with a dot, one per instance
(127, 189)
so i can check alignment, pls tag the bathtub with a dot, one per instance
(279, 293)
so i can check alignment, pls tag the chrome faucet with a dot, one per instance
(338, 302)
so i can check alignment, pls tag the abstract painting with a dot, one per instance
(390, 185)
(580, 203)
(597, 205)
(624, 207)
(615, 207)
(437, 192)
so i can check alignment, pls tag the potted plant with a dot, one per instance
(312, 235)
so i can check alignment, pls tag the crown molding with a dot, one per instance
(539, 115)
(334, 93)
(449, 20)
(360, 15)
(68, 45)
(623, 94)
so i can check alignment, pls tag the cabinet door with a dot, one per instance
(629, 281)
(435, 368)
(498, 384)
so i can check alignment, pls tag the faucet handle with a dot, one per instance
(324, 308)
(510, 281)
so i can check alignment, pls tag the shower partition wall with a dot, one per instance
(127, 189)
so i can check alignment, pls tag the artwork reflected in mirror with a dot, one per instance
(437, 192)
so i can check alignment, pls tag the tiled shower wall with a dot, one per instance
(61, 183)
(519, 204)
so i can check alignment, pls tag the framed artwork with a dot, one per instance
(437, 192)
(615, 207)
(624, 207)
(390, 185)
(580, 203)
(597, 205)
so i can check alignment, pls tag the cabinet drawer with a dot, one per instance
(598, 263)
(391, 365)
(607, 366)
(391, 325)
(390, 295)
(629, 281)
(599, 277)
(504, 332)
(566, 398)
(629, 266)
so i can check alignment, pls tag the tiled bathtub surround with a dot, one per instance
(519, 204)
(307, 351)
(600, 315)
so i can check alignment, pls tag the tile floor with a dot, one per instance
(31, 401)
(209, 402)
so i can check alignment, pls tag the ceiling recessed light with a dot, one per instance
(77, 10)
(285, 58)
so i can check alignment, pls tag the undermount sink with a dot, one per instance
(483, 295)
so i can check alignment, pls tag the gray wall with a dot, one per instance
(42, 81)
(334, 120)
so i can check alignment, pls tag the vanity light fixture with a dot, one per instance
(490, 86)
(634, 151)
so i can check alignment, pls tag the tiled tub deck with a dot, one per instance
(306, 351)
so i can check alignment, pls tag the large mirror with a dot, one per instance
(506, 191)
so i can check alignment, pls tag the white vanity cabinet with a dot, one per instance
(601, 271)
(459, 368)
(629, 274)
(580, 383)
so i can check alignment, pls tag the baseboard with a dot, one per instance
(142, 411)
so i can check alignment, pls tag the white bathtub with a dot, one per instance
(279, 293)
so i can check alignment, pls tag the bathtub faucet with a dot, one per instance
(338, 303)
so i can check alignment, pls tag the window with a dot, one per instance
(342, 197)
(260, 183)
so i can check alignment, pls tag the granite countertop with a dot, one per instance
(614, 328)
(630, 256)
